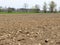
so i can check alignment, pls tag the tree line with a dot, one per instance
(36, 9)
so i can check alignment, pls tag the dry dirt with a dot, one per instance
(29, 29)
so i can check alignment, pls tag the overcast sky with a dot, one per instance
(20, 3)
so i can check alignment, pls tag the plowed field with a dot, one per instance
(29, 29)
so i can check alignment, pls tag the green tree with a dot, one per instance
(10, 10)
(52, 6)
(45, 7)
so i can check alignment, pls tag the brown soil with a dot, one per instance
(30, 29)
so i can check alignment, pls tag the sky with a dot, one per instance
(31, 3)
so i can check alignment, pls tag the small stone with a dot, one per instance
(21, 39)
(28, 34)
(58, 43)
(52, 41)
(39, 43)
(20, 31)
(32, 32)
(46, 41)
(19, 44)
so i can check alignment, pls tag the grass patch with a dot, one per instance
(25, 13)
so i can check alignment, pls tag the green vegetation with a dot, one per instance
(35, 9)
(17, 13)
(23, 13)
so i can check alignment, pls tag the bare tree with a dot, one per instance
(55, 11)
(59, 9)
(45, 7)
(52, 6)
(25, 6)
(0, 9)
(37, 9)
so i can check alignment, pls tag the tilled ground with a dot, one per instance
(30, 29)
